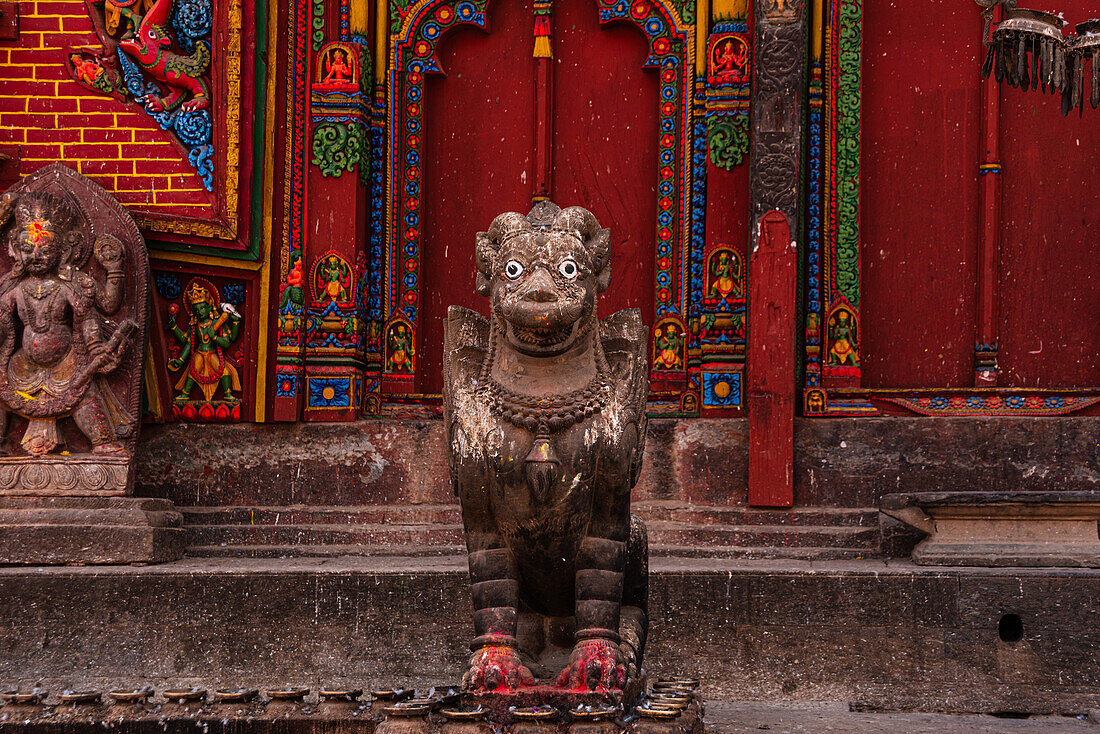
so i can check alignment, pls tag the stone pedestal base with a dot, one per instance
(1040, 529)
(546, 709)
(89, 530)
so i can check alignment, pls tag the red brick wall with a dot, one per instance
(50, 117)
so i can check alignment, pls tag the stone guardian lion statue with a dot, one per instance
(544, 406)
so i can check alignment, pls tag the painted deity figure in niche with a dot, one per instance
(730, 57)
(725, 276)
(210, 333)
(334, 278)
(781, 10)
(843, 338)
(400, 349)
(667, 345)
(337, 70)
(56, 344)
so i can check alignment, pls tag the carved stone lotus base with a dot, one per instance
(78, 475)
(89, 530)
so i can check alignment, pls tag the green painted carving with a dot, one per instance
(318, 24)
(849, 109)
(728, 139)
(398, 9)
(686, 9)
(338, 147)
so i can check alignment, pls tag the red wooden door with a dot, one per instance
(479, 116)
(921, 196)
(479, 152)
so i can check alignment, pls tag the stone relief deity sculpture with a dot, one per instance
(544, 406)
(72, 328)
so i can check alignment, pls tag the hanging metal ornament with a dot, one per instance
(1086, 53)
(1028, 50)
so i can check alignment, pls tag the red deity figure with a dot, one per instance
(337, 70)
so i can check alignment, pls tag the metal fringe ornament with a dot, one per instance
(1028, 50)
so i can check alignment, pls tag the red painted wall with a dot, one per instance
(920, 213)
(1050, 262)
(920, 194)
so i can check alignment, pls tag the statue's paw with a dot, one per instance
(198, 103)
(594, 664)
(495, 668)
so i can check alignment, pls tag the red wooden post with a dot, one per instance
(544, 96)
(989, 235)
(773, 269)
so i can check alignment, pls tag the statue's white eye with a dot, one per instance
(513, 269)
(568, 268)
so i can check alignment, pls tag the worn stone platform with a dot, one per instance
(874, 634)
(327, 718)
(835, 718)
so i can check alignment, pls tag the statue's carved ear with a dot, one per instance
(484, 251)
(600, 249)
(488, 245)
(603, 278)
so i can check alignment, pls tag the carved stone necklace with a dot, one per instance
(40, 293)
(548, 414)
(543, 415)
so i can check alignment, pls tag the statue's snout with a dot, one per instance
(540, 288)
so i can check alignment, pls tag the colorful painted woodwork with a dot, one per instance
(728, 83)
(285, 166)
(156, 54)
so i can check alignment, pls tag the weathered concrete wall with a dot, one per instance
(879, 635)
(839, 462)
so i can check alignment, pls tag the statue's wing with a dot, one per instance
(626, 344)
(465, 346)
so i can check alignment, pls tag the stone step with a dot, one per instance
(663, 533)
(392, 551)
(389, 539)
(312, 515)
(323, 551)
(413, 536)
(422, 514)
(876, 634)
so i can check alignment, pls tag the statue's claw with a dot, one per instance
(496, 667)
(595, 663)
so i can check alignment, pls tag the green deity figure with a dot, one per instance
(332, 274)
(202, 359)
(842, 336)
(725, 276)
(401, 350)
